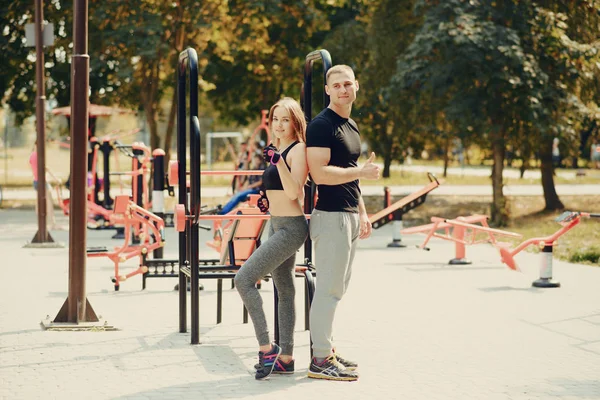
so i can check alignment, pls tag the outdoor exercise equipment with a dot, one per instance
(394, 212)
(189, 200)
(94, 111)
(145, 225)
(568, 220)
(263, 126)
(310, 190)
(464, 232)
(99, 212)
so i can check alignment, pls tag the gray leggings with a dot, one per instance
(276, 256)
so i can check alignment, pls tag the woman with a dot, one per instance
(284, 181)
(33, 163)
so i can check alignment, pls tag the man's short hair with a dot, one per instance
(338, 69)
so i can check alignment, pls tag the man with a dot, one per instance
(339, 218)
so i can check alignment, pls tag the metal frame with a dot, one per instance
(187, 68)
(306, 103)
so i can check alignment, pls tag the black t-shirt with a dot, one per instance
(341, 136)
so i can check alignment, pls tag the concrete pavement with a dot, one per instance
(420, 329)
(26, 195)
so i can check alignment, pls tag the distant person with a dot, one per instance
(458, 151)
(555, 153)
(252, 185)
(595, 153)
(33, 163)
(284, 181)
(241, 164)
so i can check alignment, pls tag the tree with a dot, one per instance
(266, 49)
(389, 130)
(494, 74)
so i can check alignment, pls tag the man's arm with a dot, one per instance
(365, 224)
(323, 174)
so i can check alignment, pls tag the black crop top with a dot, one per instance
(271, 179)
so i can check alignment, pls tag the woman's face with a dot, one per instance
(282, 124)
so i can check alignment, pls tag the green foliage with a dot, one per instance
(503, 71)
(587, 255)
(266, 49)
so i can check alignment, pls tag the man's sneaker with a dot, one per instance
(266, 362)
(350, 365)
(330, 369)
(281, 367)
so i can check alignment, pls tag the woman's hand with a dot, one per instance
(263, 203)
(271, 155)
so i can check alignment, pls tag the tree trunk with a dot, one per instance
(153, 125)
(170, 128)
(179, 44)
(499, 212)
(550, 196)
(446, 158)
(387, 161)
(387, 148)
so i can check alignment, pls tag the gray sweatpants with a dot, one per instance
(335, 235)
(277, 256)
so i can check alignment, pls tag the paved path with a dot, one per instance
(420, 329)
(29, 195)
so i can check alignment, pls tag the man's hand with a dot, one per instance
(263, 202)
(271, 155)
(365, 226)
(370, 170)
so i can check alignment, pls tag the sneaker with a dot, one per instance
(330, 369)
(350, 365)
(281, 367)
(266, 362)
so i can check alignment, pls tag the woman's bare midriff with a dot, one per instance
(281, 206)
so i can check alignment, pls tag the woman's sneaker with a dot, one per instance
(284, 368)
(330, 369)
(281, 367)
(266, 362)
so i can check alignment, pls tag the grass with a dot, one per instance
(404, 177)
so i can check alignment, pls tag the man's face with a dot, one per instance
(342, 88)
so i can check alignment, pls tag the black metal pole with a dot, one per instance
(310, 189)
(182, 162)
(106, 148)
(158, 191)
(195, 212)
(188, 240)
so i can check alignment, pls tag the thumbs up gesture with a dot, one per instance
(370, 170)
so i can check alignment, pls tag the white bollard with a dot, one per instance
(397, 226)
(545, 280)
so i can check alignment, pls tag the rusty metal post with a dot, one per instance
(76, 308)
(42, 235)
